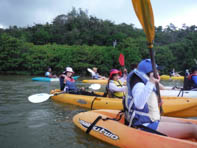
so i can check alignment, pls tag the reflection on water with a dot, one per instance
(44, 125)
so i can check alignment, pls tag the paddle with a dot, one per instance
(121, 60)
(91, 71)
(143, 10)
(195, 61)
(42, 97)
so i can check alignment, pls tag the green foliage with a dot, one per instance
(81, 41)
(10, 51)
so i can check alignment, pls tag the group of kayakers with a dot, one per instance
(139, 93)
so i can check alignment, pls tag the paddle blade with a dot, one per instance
(38, 98)
(121, 59)
(95, 86)
(90, 70)
(143, 10)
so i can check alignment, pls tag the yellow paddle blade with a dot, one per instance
(143, 10)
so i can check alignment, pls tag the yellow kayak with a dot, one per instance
(167, 77)
(172, 106)
(163, 77)
(95, 81)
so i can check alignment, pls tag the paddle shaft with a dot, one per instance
(152, 55)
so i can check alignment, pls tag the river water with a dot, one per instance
(44, 125)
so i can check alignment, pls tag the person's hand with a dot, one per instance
(83, 88)
(153, 79)
(175, 88)
(125, 70)
(161, 103)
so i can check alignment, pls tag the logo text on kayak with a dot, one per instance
(99, 129)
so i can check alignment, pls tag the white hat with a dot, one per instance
(69, 69)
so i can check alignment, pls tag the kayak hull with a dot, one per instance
(46, 79)
(162, 77)
(167, 77)
(118, 134)
(95, 81)
(172, 106)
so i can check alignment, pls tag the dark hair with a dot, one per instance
(133, 80)
(194, 69)
(133, 66)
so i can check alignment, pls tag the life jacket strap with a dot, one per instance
(150, 130)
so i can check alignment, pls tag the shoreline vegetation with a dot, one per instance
(80, 40)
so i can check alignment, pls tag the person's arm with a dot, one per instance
(123, 80)
(114, 88)
(65, 79)
(141, 93)
(50, 75)
(162, 87)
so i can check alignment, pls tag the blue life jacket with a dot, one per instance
(71, 87)
(96, 76)
(194, 79)
(133, 115)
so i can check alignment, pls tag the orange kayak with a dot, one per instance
(118, 134)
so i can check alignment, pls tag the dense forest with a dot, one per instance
(80, 40)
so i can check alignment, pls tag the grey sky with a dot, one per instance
(27, 12)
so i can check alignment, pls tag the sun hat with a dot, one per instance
(114, 71)
(145, 66)
(68, 69)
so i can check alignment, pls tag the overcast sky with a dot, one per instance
(29, 12)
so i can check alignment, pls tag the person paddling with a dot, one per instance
(49, 73)
(115, 87)
(193, 79)
(142, 108)
(96, 75)
(68, 85)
